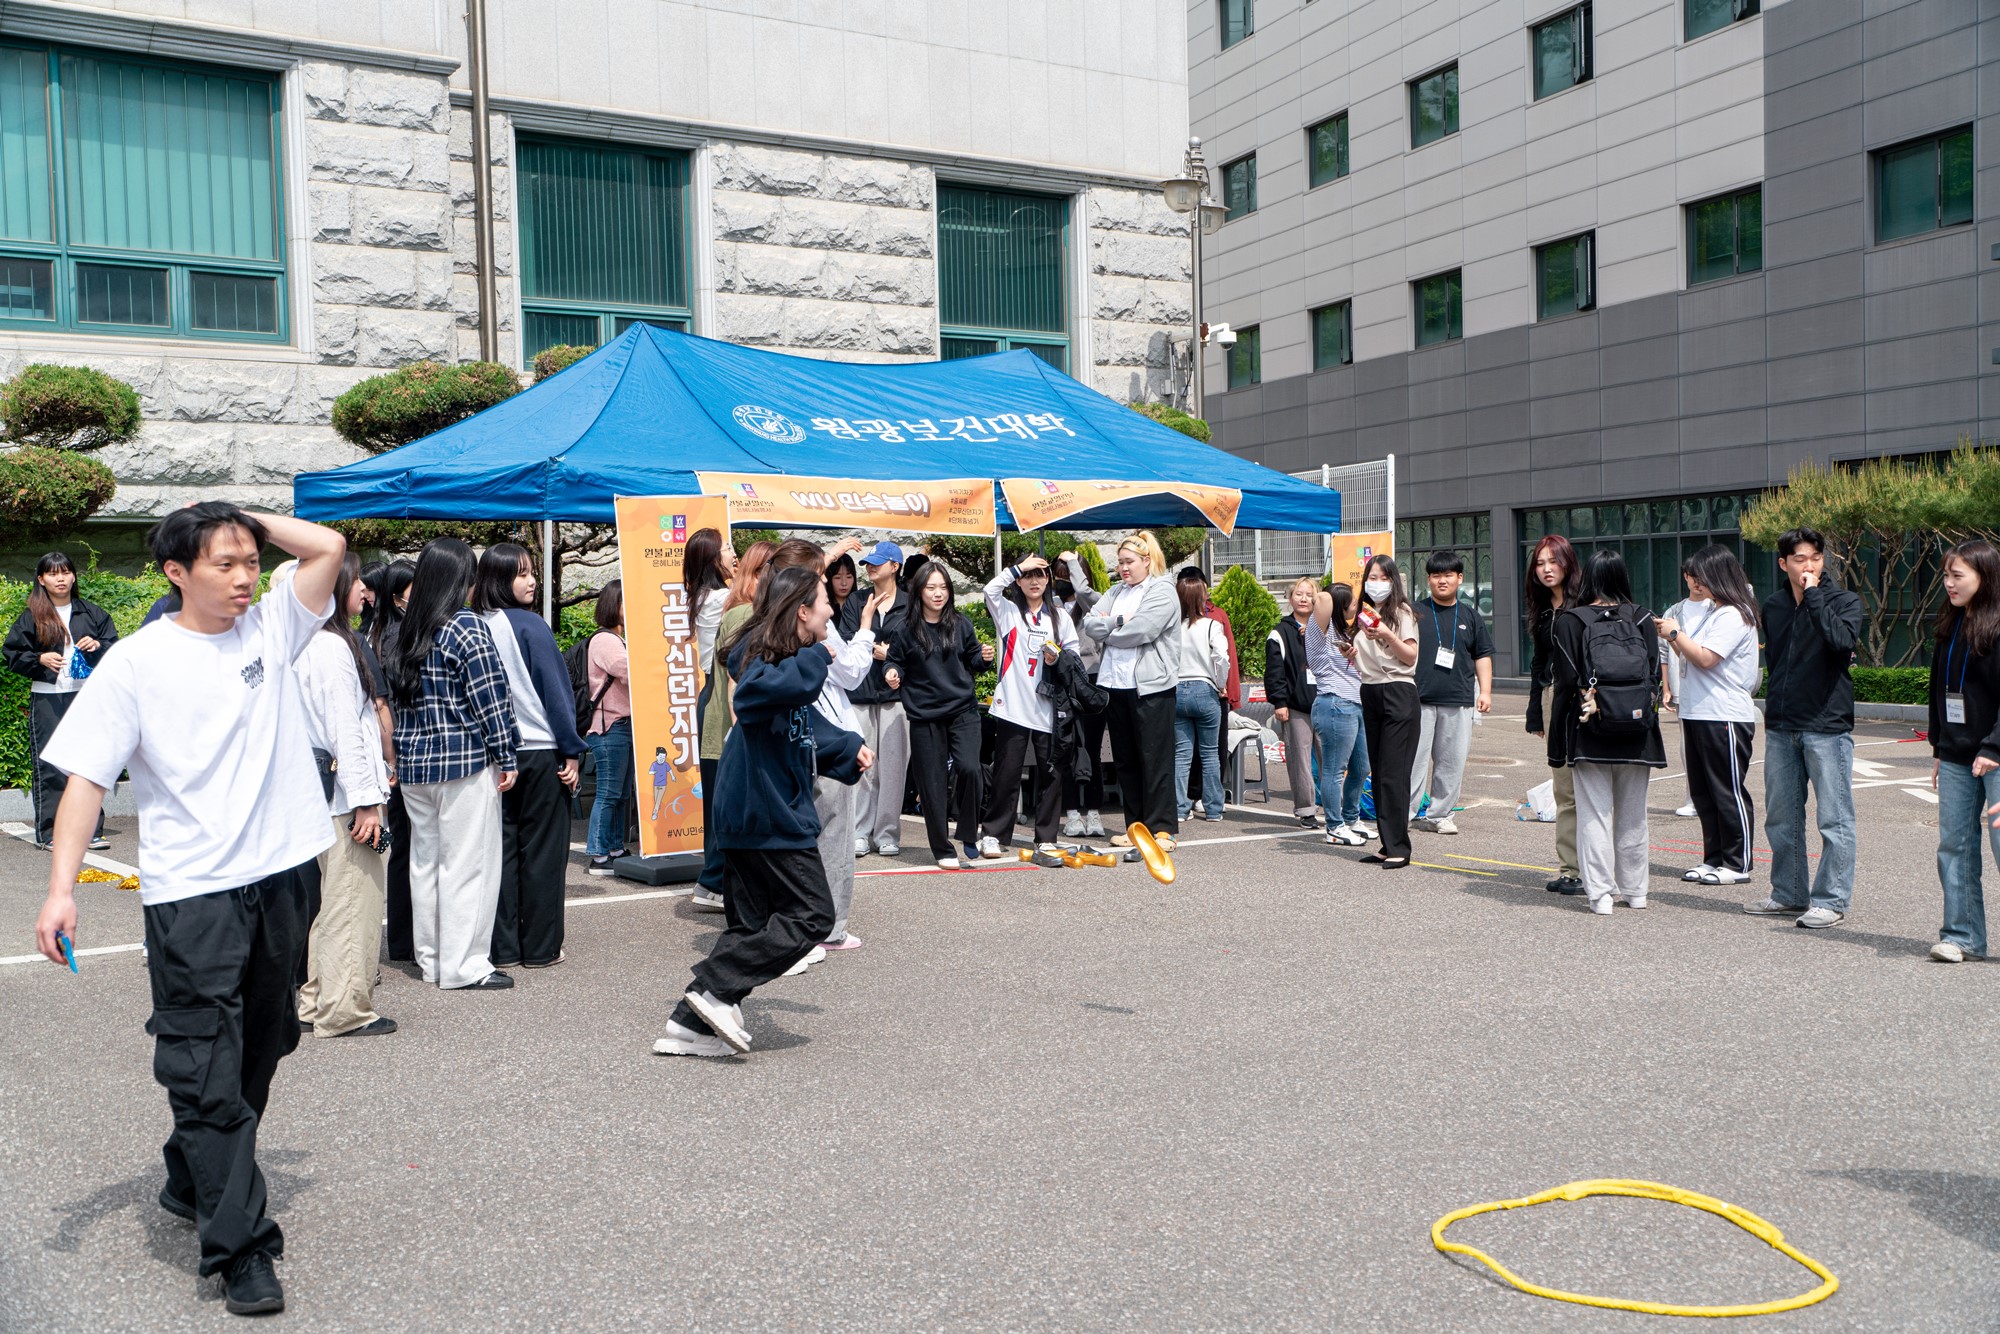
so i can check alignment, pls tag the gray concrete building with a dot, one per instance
(1603, 269)
(242, 207)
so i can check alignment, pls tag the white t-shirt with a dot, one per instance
(1725, 692)
(213, 731)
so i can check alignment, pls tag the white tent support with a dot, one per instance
(549, 599)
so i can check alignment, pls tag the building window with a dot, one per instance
(1706, 16)
(1563, 52)
(1654, 536)
(1440, 308)
(1239, 20)
(139, 197)
(1470, 535)
(1326, 151)
(1726, 236)
(1434, 107)
(1246, 361)
(1566, 276)
(1239, 188)
(1333, 335)
(1001, 274)
(1923, 186)
(604, 241)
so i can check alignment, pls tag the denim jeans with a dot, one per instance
(612, 752)
(1826, 759)
(1343, 748)
(1198, 725)
(1962, 803)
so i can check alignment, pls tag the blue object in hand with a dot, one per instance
(79, 666)
(69, 954)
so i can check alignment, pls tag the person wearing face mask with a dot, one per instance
(1138, 623)
(55, 642)
(1386, 656)
(1715, 643)
(1290, 687)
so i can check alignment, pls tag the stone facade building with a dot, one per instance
(861, 180)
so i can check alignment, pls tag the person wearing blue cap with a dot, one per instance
(878, 797)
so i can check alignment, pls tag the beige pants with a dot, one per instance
(339, 994)
(1565, 785)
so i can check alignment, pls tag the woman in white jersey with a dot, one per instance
(1031, 632)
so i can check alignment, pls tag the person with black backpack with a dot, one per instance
(1604, 726)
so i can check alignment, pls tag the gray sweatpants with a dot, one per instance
(835, 804)
(1297, 730)
(878, 797)
(1611, 844)
(1444, 740)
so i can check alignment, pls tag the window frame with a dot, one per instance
(1249, 341)
(1735, 199)
(1345, 159)
(1878, 162)
(66, 257)
(1741, 10)
(1013, 339)
(1344, 310)
(1455, 324)
(1249, 25)
(1250, 160)
(1584, 270)
(1412, 87)
(1583, 57)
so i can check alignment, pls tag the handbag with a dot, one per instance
(323, 761)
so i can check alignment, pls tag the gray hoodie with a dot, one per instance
(1151, 630)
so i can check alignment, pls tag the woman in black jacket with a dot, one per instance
(55, 642)
(1604, 727)
(1965, 742)
(1290, 689)
(934, 656)
(1555, 581)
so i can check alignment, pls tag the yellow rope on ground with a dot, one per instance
(90, 875)
(1645, 1190)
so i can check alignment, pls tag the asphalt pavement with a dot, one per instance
(1079, 1099)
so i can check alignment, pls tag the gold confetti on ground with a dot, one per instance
(90, 875)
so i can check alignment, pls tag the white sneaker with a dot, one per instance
(1687, 812)
(1345, 837)
(1601, 905)
(1445, 825)
(989, 847)
(1631, 900)
(814, 955)
(1694, 873)
(861, 848)
(1424, 824)
(1946, 951)
(1072, 824)
(704, 901)
(947, 863)
(683, 1041)
(1093, 825)
(1767, 908)
(891, 848)
(1815, 918)
(1366, 828)
(726, 1020)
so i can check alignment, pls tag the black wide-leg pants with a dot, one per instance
(1718, 761)
(534, 863)
(1393, 719)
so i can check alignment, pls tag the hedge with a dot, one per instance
(68, 407)
(45, 493)
(1252, 612)
(1892, 685)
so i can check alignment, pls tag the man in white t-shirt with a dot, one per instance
(203, 710)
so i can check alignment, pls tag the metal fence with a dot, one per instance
(1367, 505)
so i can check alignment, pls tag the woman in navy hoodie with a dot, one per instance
(761, 813)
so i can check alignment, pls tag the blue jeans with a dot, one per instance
(1343, 748)
(1198, 723)
(1962, 803)
(612, 752)
(1826, 759)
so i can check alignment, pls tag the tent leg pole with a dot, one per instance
(999, 557)
(549, 572)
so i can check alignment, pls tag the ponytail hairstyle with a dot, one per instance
(772, 632)
(1980, 617)
(48, 621)
(500, 565)
(337, 626)
(1716, 568)
(1148, 547)
(701, 567)
(749, 568)
(444, 572)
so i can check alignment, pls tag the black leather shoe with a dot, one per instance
(374, 1028)
(493, 981)
(1565, 884)
(252, 1286)
(176, 1206)
(305, 1026)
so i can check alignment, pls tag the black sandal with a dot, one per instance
(1375, 859)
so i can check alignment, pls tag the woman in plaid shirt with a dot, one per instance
(454, 722)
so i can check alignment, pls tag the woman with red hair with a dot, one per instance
(1555, 581)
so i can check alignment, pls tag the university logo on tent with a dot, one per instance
(774, 426)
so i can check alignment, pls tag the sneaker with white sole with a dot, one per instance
(1424, 824)
(989, 848)
(1723, 875)
(947, 863)
(1072, 826)
(726, 1020)
(1946, 951)
(684, 1041)
(601, 866)
(704, 901)
(1631, 900)
(1366, 828)
(1768, 908)
(1343, 836)
(1813, 919)
(1093, 825)
(1446, 825)
(1688, 812)
(1694, 873)
(1601, 905)
(861, 847)
(890, 848)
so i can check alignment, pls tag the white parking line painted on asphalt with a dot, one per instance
(1922, 794)
(81, 954)
(27, 835)
(631, 898)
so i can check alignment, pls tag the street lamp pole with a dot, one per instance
(1188, 193)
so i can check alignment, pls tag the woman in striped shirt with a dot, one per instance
(1336, 716)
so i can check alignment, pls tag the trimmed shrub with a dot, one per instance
(973, 556)
(1892, 685)
(1092, 561)
(553, 360)
(68, 407)
(1174, 418)
(1252, 612)
(745, 538)
(407, 536)
(1180, 543)
(45, 493)
(385, 411)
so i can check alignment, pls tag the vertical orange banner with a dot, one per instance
(1353, 551)
(666, 664)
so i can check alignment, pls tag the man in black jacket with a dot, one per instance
(1809, 635)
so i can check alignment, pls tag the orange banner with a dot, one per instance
(1353, 551)
(962, 505)
(666, 665)
(1038, 502)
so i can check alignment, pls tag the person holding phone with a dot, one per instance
(1386, 657)
(1032, 631)
(1715, 642)
(55, 642)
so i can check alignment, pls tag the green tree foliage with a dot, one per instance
(1175, 418)
(1252, 612)
(68, 407)
(1092, 561)
(410, 403)
(745, 538)
(551, 360)
(45, 493)
(973, 556)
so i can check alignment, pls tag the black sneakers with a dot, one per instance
(251, 1286)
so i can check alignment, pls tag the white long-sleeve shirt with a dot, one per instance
(1020, 636)
(852, 660)
(341, 720)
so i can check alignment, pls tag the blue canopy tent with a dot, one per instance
(645, 412)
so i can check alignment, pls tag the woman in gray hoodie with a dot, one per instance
(1138, 624)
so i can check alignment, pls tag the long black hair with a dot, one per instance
(387, 581)
(337, 626)
(1392, 610)
(493, 587)
(844, 565)
(772, 632)
(445, 572)
(701, 567)
(1716, 568)
(1981, 616)
(1343, 610)
(1606, 577)
(945, 634)
(48, 621)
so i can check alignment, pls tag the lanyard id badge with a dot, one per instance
(1445, 658)
(1954, 709)
(1954, 700)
